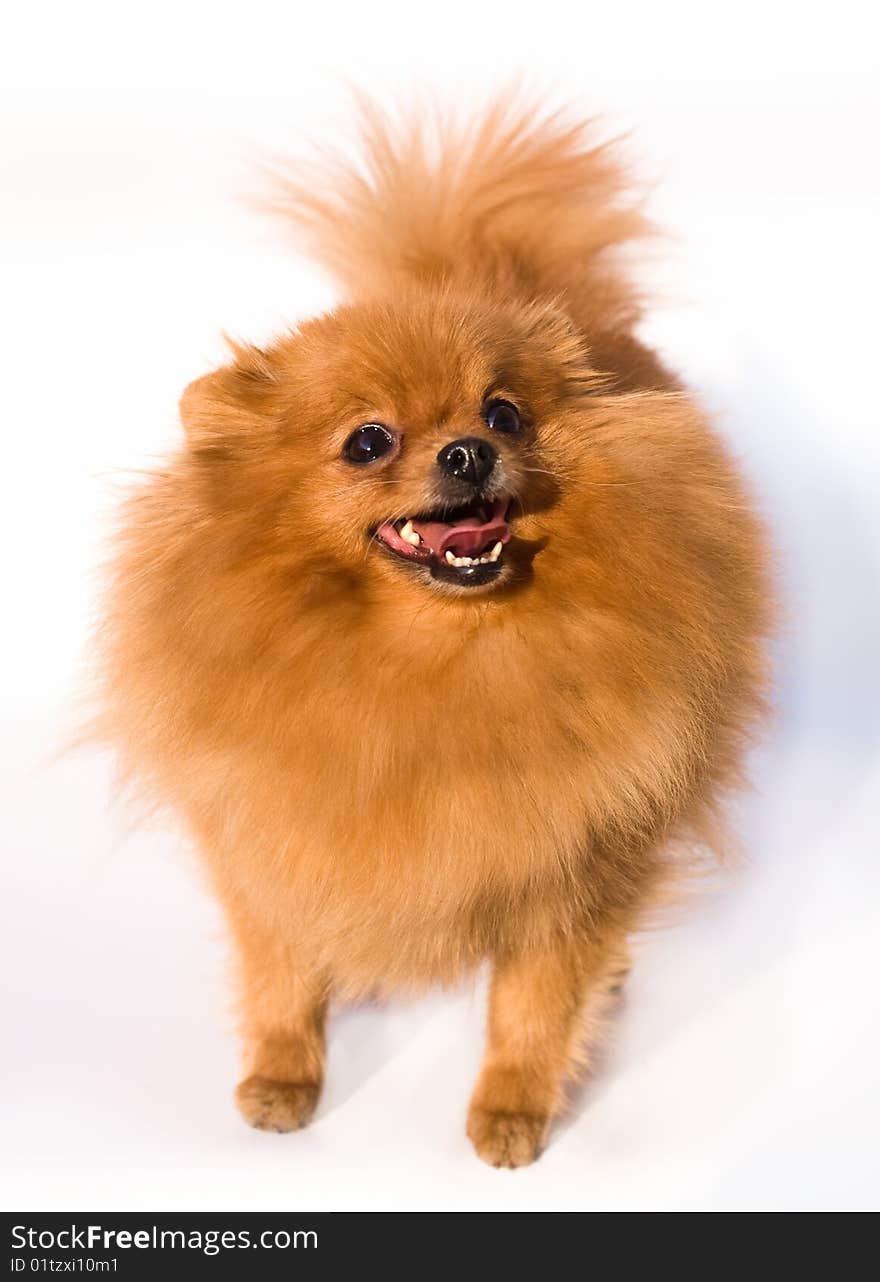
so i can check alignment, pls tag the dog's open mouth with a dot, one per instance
(463, 545)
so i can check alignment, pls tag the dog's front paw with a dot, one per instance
(506, 1139)
(277, 1106)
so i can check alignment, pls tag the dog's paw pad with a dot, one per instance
(276, 1106)
(506, 1139)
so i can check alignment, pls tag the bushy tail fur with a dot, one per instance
(519, 199)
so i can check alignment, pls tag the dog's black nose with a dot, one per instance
(469, 459)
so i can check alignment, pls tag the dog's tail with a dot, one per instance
(519, 198)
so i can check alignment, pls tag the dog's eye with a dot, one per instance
(503, 417)
(368, 443)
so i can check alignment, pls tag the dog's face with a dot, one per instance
(408, 440)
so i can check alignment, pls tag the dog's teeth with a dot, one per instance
(462, 562)
(409, 534)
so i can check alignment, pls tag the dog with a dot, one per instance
(443, 632)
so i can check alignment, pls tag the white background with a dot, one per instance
(743, 1069)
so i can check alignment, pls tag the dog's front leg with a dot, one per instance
(544, 1009)
(284, 1007)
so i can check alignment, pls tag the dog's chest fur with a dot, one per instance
(407, 823)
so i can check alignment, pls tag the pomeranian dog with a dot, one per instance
(443, 630)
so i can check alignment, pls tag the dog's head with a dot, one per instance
(410, 440)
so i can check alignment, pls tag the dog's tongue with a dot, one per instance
(468, 537)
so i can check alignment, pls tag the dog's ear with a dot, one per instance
(198, 408)
(569, 353)
(231, 402)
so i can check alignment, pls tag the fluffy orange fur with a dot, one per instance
(391, 780)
